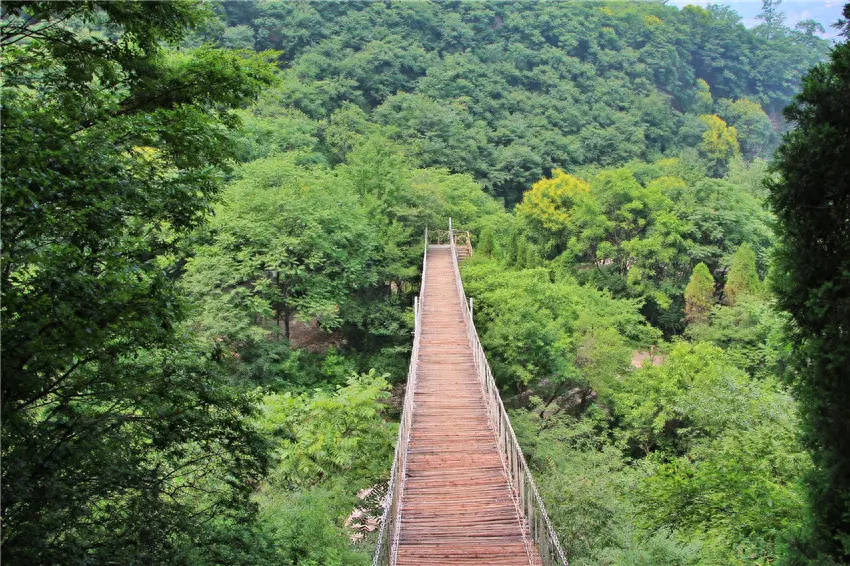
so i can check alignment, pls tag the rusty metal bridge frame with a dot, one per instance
(460, 491)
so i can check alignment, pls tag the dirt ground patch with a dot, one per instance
(640, 357)
(311, 337)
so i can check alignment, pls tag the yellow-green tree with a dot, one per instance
(719, 142)
(756, 135)
(547, 209)
(699, 295)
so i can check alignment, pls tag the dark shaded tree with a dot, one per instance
(121, 443)
(811, 198)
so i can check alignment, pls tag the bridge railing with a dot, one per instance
(542, 539)
(388, 535)
(462, 239)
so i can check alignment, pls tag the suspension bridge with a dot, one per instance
(460, 492)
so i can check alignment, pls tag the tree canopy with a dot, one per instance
(510, 91)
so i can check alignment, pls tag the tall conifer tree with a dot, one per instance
(743, 277)
(699, 294)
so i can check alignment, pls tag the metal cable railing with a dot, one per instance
(387, 546)
(538, 527)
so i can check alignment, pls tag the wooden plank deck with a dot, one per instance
(457, 507)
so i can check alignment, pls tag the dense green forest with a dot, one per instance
(507, 91)
(212, 235)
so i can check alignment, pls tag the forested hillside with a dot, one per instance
(212, 235)
(507, 91)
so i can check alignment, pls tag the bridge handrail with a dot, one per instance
(460, 238)
(526, 496)
(388, 535)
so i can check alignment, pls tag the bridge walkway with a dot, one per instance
(460, 492)
(457, 506)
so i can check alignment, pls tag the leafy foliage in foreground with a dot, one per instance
(121, 442)
(697, 464)
(550, 334)
(323, 435)
(328, 445)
